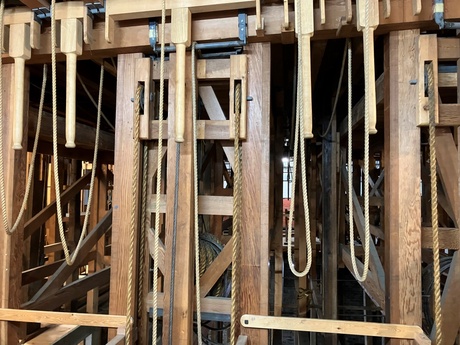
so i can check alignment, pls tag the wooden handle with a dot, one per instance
(19, 64)
(179, 109)
(70, 119)
(306, 87)
(369, 64)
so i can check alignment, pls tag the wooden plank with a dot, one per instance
(62, 335)
(242, 340)
(449, 238)
(447, 154)
(182, 318)
(370, 285)
(373, 329)
(56, 318)
(34, 223)
(402, 194)
(450, 303)
(69, 292)
(36, 3)
(161, 253)
(449, 115)
(117, 340)
(125, 149)
(11, 247)
(216, 269)
(256, 178)
(63, 272)
(207, 204)
(205, 69)
(206, 130)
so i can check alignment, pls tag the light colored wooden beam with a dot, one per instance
(373, 329)
(449, 238)
(57, 318)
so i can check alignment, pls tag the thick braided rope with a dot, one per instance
(142, 241)
(30, 176)
(132, 225)
(236, 227)
(434, 208)
(69, 259)
(299, 128)
(195, 199)
(156, 242)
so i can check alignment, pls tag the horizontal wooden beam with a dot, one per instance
(449, 238)
(85, 134)
(206, 130)
(371, 329)
(449, 115)
(41, 217)
(59, 318)
(207, 204)
(214, 69)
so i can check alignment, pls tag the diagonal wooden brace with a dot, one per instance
(24, 34)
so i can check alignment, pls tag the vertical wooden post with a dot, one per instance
(11, 247)
(123, 172)
(402, 181)
(182, 322)
(256, 178)
(330, 234)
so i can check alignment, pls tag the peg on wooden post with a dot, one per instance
(24, 34)
(369, 61)
(75, 25)
(181, 28)
(304, 37)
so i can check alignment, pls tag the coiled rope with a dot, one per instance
(236, 227)
(360, 277)
(299, 129)
(195, 198)
(156, 246)
(70, 259)
(434, 208)
(30, 176)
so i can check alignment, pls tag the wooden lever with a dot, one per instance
(181, 24)
(71, 46)
(304, 38)
(369, 61)
(21, 51)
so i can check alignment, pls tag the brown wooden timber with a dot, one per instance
(449, 238)
(402, 194)
(11, 247)
(183, 291)
(256, 163)
(125, 149)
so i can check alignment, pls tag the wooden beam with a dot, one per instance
(206, 130)
(182, 318)
(449, 238)
(36, 3)
(61, 275)
(62, 335)
(85, 134)
(11, 247)
(256, 178)
(402, 191)
(56, 318)
(125, 149)
(34, 223)
(372, 329)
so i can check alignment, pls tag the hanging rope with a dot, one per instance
(70, 259)
(156, 242)
(360, 277)
(195, 199)
(142, 241)
(299, 127)
(434, 208)
(236, 227)
(30, 176)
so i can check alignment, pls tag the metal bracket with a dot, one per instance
(235, 44)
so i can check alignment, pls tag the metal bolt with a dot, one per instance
(413, 81)
(249, 99)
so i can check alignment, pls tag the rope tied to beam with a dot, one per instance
(299, 130)
(236, 226)
(434, 207)
(70, 259)
(156, 242)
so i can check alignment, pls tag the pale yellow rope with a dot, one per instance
(30, 176)
(134, 215)
(156, 242)
(434, 208)
(236, 227)
(360, 277)
(298, 140)
(70, 259)
(195, 199)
